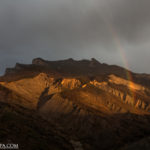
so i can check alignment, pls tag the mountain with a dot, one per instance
(80, 105)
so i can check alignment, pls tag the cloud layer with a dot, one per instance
(58, 29)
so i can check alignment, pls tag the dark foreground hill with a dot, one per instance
(81, 105)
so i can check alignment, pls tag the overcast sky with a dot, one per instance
(112, 31)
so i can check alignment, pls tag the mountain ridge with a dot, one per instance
(72, 68)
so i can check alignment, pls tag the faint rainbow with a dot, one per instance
(122, 55)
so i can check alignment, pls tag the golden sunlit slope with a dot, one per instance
(106, 94)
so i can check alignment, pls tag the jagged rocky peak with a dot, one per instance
(19, 66)
(13, 70)
(39, 61)
(94, 62)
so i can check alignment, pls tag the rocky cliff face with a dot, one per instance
(129, 99)
(89, 102)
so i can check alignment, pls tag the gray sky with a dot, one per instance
(112, 31)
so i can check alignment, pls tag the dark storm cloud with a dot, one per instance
(57, 29)
(131, 18)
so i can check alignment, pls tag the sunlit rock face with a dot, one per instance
(32, 88)
(86, 99)
(129, 84)
(131, 97)
(70, 83)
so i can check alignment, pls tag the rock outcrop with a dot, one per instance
(39, 61)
